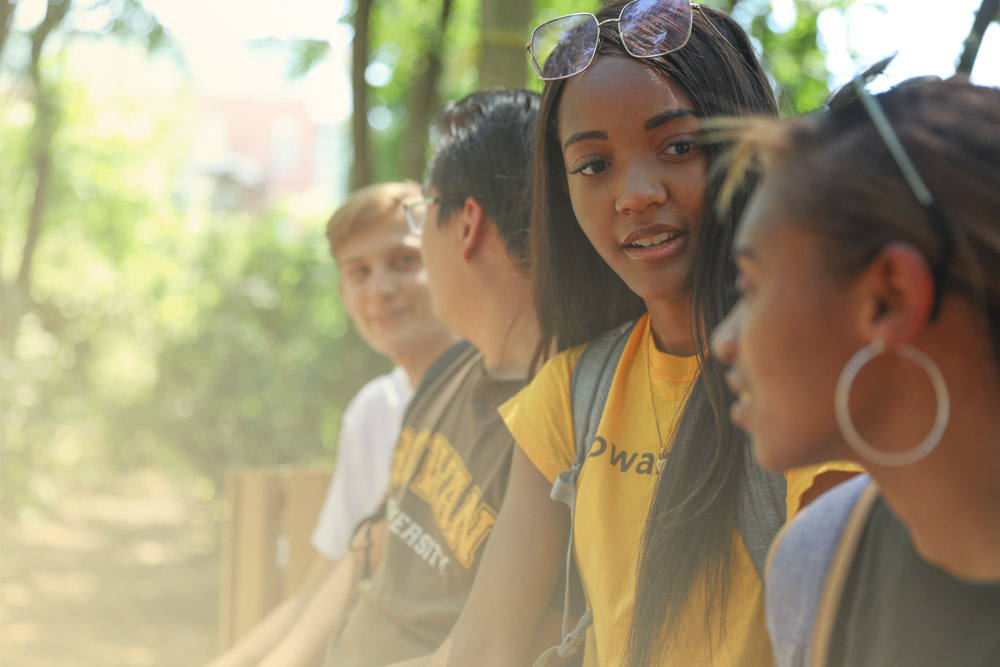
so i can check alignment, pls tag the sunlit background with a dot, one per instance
(168, 310)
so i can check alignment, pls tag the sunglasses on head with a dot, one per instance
(856, 91)
(567, 45)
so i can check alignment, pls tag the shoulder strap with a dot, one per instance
(589, 387)
(836, 578)
(798, 566)
(434, 372)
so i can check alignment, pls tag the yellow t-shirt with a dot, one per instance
(614, 492)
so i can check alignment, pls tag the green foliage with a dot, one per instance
(403, 53)
(158, 331)
(791, 52)
(261, 363)
(305, 54)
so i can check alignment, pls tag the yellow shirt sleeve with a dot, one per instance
(800, 480)
(540, 416)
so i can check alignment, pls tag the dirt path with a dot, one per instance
(128, 578)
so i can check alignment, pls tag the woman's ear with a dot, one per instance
(473, 227)
(900, 291)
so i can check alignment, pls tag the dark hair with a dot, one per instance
(689, 531)
(484, 150)
(836, 171)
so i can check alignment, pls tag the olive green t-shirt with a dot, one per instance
(897, 610)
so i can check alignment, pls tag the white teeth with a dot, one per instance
(656, 240)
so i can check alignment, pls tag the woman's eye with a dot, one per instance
(590, 167)
(680, 147)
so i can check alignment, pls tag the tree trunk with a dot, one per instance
(361, 170)
(15, 299)
(6, 16)
(505, 30)
(44, 131)
(424, 102)
(43, 171)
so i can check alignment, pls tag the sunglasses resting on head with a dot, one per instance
(566, 46)
(855, 92)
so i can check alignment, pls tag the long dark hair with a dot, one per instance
(689, 532)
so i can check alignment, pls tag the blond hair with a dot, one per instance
(367, 206)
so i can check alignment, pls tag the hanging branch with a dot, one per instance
(988, 11)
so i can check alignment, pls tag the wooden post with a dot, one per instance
(266, 549)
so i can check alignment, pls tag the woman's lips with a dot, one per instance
(654, 243)
(738, 410)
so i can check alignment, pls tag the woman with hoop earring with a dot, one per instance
(869, 329)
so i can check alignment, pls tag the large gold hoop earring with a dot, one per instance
(851, 435)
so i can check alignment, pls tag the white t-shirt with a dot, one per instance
(368, 434)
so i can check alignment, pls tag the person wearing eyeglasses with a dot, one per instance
(670, 509)
(400, 588)
(869, 266)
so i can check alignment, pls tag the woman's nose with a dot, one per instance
(641, 189)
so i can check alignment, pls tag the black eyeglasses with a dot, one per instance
(567, 45)
(856, 91)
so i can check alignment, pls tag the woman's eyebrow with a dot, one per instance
(667, 116)
(654, 122)
(581, 136)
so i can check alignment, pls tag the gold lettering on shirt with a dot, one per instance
(405, 457)
(455, 499)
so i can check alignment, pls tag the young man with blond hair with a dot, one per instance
(383, 286)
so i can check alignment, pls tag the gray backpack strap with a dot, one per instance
(589, 387)
(799, 572)
(762, 508)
